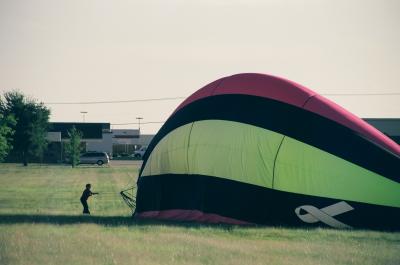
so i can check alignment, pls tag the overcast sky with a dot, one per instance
(76, 50)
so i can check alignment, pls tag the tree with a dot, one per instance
(74, 148)
(31, 126)
(6, 132)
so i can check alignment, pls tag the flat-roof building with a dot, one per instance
(95, 137)
(388, 126)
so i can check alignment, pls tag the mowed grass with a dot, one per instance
(41, 223)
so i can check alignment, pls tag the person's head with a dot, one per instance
(88, 186)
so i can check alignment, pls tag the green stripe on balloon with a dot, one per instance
(304, 169)
(246, 153)
(225, 149)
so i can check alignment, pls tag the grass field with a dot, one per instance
(41, 223)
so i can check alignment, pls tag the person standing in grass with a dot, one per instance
(85, 196)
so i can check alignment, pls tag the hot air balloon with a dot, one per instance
(259, 149)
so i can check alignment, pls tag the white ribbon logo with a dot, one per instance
(324, 215)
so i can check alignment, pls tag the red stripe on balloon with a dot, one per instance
(190, 215)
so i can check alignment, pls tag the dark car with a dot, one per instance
(98, 158)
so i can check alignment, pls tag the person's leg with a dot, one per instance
(82, 205)
(85, 207)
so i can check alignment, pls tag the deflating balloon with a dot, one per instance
(258, 149)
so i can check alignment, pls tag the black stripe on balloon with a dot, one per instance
(302, 125)
(249, 203)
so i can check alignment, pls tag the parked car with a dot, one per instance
(98, 158)
(140, 153)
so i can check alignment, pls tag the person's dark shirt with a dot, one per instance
(86, 194)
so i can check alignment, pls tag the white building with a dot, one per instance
(117, 141)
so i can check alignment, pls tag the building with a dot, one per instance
(58, 134)
(389, 126)
(95, 137)
(120, 142)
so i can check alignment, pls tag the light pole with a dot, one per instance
(139, 118)
(83, 115)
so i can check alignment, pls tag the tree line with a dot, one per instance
(24, 124)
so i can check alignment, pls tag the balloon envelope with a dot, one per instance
(259, 149)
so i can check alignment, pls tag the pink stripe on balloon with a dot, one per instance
(199, 94)
(289, 92)
(266, 86)
(190, 215)
(260, 85)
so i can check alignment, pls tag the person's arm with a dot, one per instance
(94, 193)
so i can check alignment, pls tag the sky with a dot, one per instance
(85, 51)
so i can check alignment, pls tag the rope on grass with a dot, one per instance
(129, 197)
